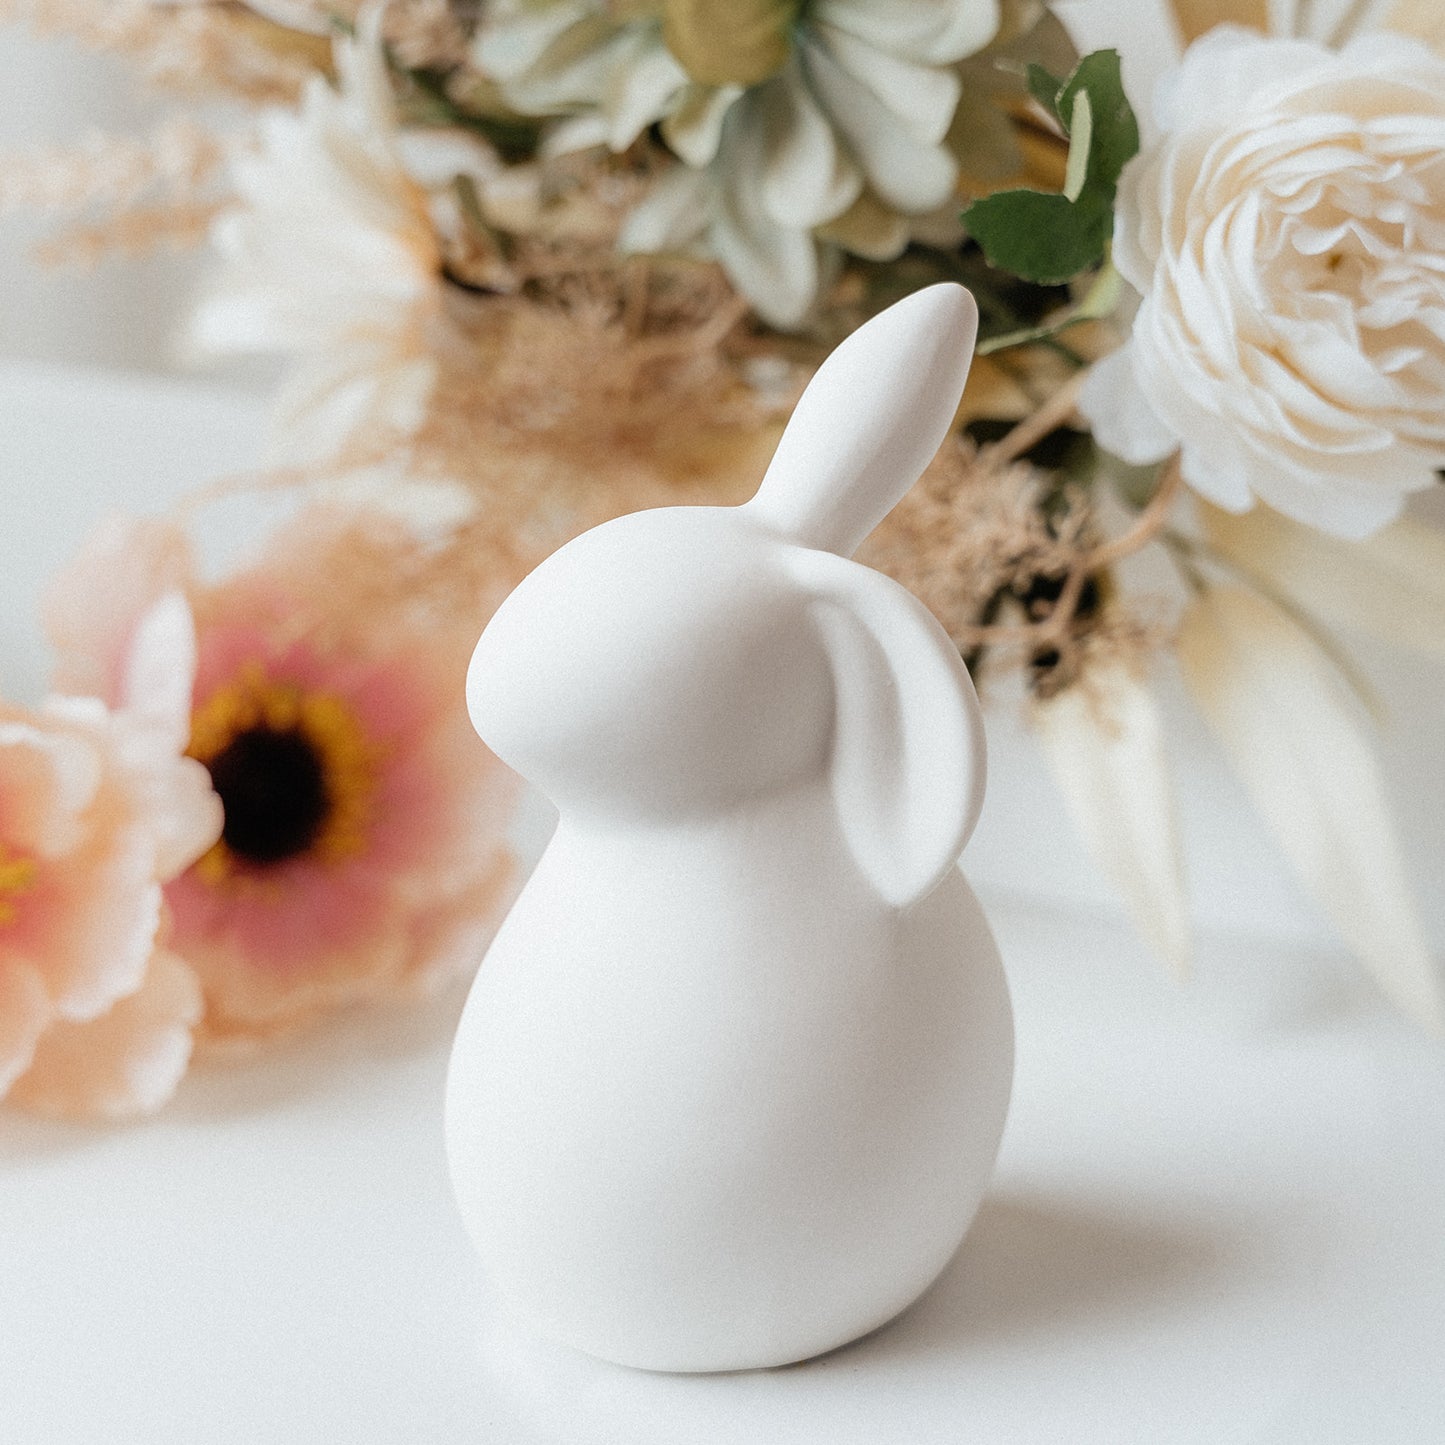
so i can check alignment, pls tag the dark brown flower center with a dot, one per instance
(273, 787)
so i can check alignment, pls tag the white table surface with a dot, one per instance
(1219, 1214)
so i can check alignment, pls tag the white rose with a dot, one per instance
(1287, 234)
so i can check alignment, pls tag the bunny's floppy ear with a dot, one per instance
(908, 759)
(870, 421)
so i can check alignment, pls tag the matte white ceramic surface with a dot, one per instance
(732, 1077)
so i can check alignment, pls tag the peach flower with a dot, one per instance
(98, 808)
(361, 845)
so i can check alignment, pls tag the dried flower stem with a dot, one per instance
(1035, 427)
(1051, 629)
(1149, 523)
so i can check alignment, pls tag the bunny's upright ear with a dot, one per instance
(908, 762)
(870, 421)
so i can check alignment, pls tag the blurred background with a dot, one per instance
(151, 427)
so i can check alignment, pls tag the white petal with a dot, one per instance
(575, 133)
(1123, 421)
(1351, 513)
(641, 89)
(1287, 722)
(775, 267)
(161, 670)
(910, 174)
(923, 97)
(807, 178)
(512, 43)
(672, 217)
(1391, 585)
(1104, 743)
(694, 129)
(938, 32)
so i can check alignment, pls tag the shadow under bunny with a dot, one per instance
(1033, 1264)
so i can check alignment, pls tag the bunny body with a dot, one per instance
(731, 1079)
(689, 1147)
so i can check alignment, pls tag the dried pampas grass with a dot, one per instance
(186, 48)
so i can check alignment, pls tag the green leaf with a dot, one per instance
(1052, 238)
(1044, 86)
(1114, 132)
(1042, 238)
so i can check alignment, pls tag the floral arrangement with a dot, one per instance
(534, 263)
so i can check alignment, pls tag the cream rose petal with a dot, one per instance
(1123, 421)
(1103, 740)
(923, 97)
(1284, 231)
(1286, 722)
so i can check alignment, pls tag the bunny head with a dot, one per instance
(685, 660)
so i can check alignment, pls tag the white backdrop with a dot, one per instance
(123, 313)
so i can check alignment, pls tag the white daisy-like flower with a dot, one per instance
(804, 125)
(332, 257)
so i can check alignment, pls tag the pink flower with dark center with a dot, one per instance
(361, 848)
(98, 809)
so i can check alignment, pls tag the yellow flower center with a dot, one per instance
(17, 878)
(730, 42)
(294, 769)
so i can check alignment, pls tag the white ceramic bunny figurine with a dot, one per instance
(732, 1076)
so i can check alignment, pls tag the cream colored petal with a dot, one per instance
(1391, 586)
(1287, 722)
(24, 1013)
(124, 1063)
(1104, 742)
